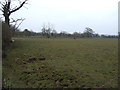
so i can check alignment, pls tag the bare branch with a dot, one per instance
(12, 8)
(25, 7)
(0, 9)
(5, 0)
(18, 7)
(15, 21)
(19, 1)
(20, 23)
(9, 4)
(1, 17)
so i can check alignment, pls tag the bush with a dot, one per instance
(6, 35)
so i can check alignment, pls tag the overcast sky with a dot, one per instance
(70, 15)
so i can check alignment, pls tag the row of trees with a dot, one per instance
(49, 32)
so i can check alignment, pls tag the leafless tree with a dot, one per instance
(7, 9)
(47, 30)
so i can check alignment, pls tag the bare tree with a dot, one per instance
(54, 33)
(7, 10)
(47, 30)
(7, 7)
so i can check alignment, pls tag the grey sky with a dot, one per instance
(71, 15)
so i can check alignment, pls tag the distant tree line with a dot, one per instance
(52, 33)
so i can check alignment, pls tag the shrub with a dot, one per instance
(6, 35)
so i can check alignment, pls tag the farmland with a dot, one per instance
(64, 63)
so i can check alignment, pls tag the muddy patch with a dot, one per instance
(33, 59)
(42, 58)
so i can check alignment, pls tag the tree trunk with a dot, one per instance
(7, 20)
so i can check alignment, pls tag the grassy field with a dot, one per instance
(67, 63)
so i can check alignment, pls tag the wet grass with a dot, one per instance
(64, 63)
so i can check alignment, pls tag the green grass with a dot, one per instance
(81, 63)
